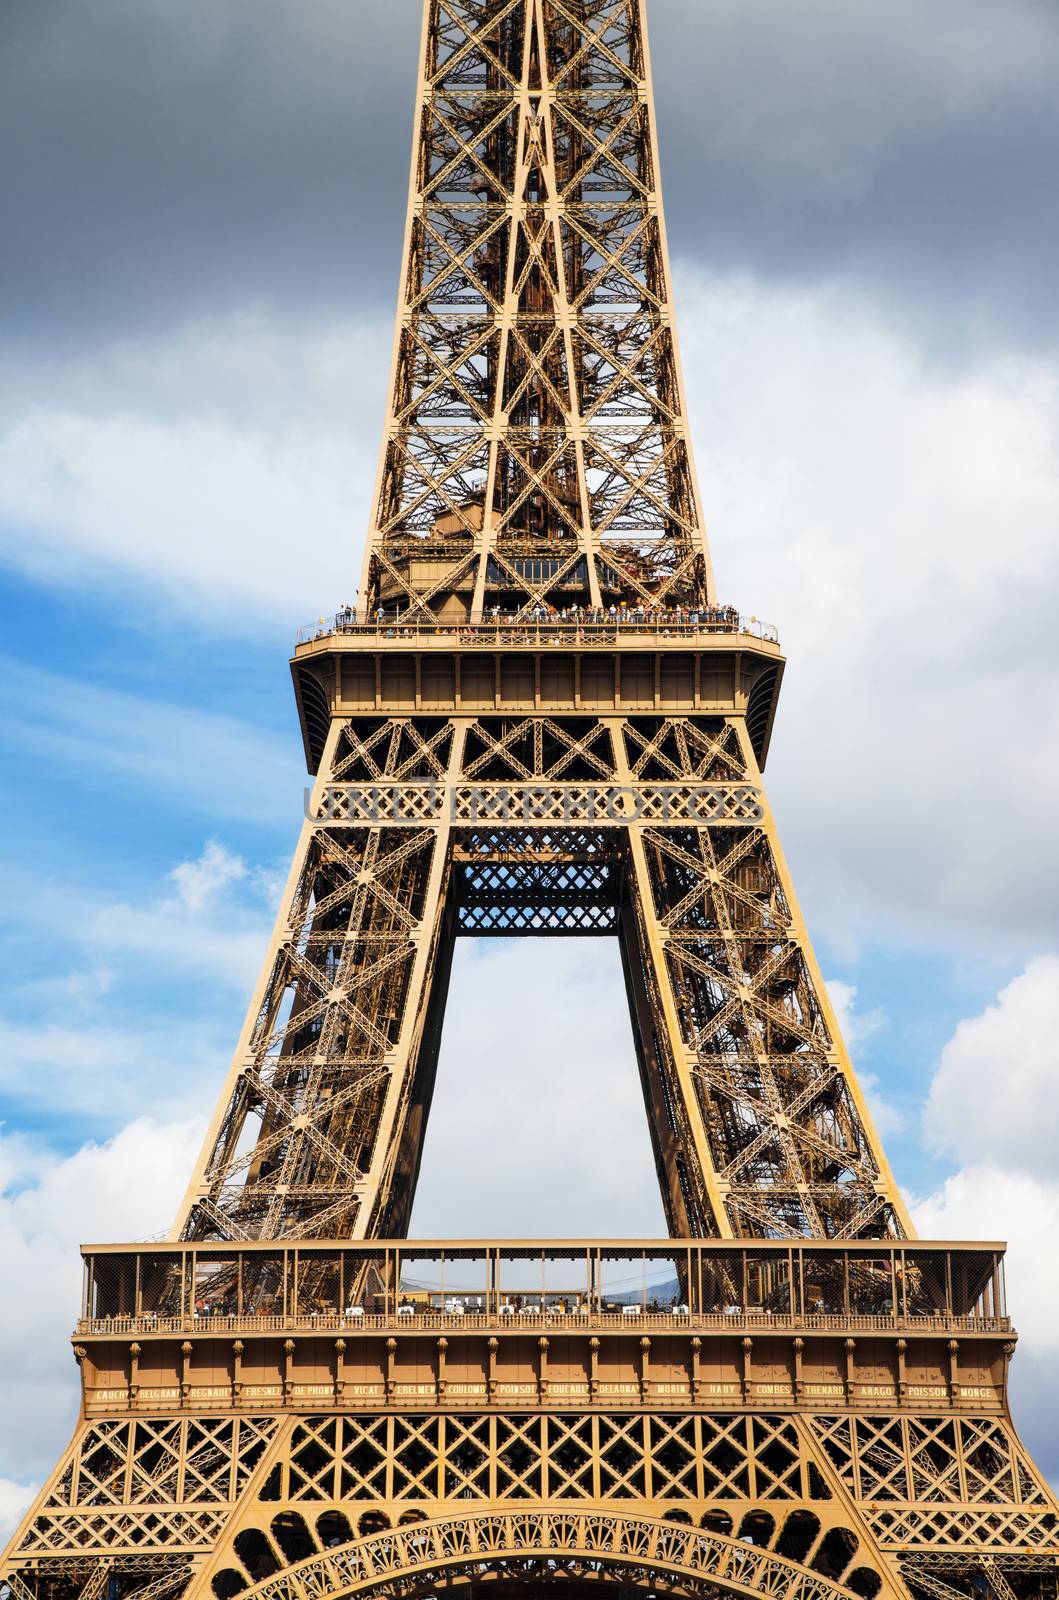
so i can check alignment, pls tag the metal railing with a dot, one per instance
(420, 1321)
(540, 626)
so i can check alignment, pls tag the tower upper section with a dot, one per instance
(536, 447)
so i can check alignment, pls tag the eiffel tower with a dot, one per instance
(539, 720)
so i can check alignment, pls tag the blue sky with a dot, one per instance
(196, 321)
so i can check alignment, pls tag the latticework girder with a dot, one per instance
(747, 1082)
(536, 445)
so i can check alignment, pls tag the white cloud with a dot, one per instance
(15, 1500)
(200, 928)
(98, 1069)
(995, 1097)
(203, 926)
(900, 524)
(128, 1187)
(990, 1203)
(225, 470)
(229, 949)
(856, 1027)
(100, 1042)
(200, 882)
(993, 1103)
(90, 1049)
(538, 1125)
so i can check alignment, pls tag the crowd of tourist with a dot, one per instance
(723, 618)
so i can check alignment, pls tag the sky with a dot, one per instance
(203, 210)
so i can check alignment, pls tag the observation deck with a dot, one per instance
(712, 661)
(485, 1323)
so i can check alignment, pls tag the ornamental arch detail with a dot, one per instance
(537, 1547)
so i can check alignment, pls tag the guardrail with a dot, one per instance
(420, 1321)
(490, 631)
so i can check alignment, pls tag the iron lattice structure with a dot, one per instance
(517, 824)
(539, 721)
(536, 444)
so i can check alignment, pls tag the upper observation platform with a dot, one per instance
(679, 661)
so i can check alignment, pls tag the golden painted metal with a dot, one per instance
(539, 720)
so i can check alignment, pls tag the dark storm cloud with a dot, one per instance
(165, 159)
(171, 158)
(908, 147)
